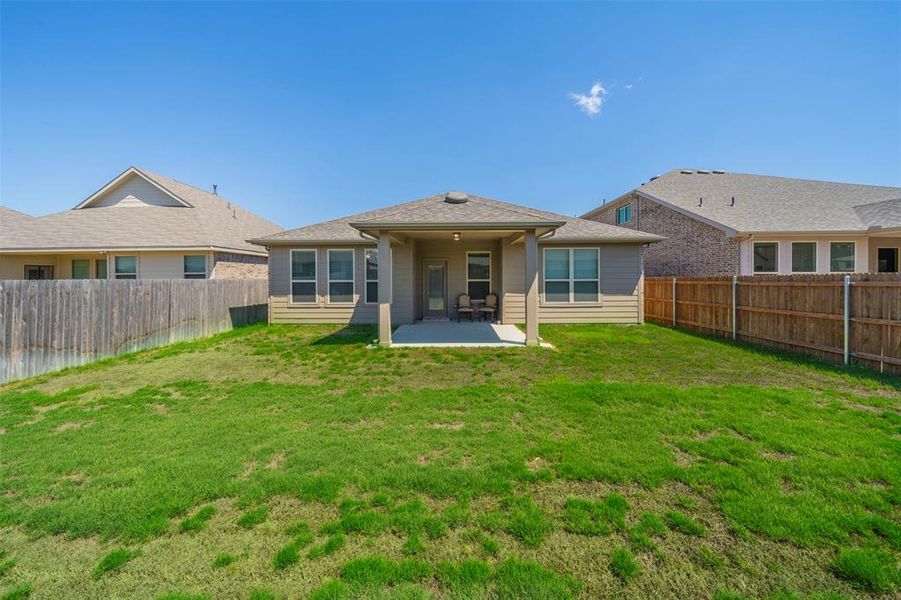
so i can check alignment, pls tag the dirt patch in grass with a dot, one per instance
(71, 425)
(455, 426)
(781, 456)
(276, 461)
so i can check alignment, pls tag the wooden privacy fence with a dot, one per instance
(48, 325)
(834, 317)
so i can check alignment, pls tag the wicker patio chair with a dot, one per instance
(464, 306)
(489, 309)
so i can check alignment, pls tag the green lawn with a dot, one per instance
(295, 462)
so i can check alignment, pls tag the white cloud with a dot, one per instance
(591, 103)
(628, 86)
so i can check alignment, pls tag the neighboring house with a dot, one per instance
(411, 261)
(719, 223)
(137, 226)
(10, 216)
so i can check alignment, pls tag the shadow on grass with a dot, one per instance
(351, 335)
(795, 358)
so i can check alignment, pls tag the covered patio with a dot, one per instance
(437, 242)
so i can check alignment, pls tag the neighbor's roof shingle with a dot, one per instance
(211, 222)
(478, 210)
(776, 204)
(8, 215)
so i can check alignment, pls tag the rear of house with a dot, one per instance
(543, 267)
(140, 225)
(719, 223)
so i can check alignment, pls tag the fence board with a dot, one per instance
(797, 312)
(49, 325)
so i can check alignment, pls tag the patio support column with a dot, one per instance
(531, 288)
(385, 286)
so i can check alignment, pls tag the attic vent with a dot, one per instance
(456, 198)
(703, 172)
(687, 171)
(719, 171)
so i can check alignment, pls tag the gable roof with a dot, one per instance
(8, 215)
(201, 220)
(435, 212)
(771, 204)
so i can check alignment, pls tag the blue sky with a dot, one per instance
(304, 112)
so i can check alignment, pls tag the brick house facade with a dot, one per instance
(691, 247)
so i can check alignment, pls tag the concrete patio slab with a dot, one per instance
(450, 333)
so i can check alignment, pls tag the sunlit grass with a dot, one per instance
(273, 458)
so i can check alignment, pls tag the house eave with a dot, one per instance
(120, 177)
(454, 225)
(107, 248)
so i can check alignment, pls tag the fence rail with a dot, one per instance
(49, 325)
(834, 317)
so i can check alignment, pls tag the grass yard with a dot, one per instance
(294, 462)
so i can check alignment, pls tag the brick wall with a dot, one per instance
(691, 247)
(227, 265)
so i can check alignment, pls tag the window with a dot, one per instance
(372, 275)
(100, 268)
(887, 260)
(571, 275)
(841, 257)
(766, 257)
(478, 274)
(340, 275)
(303, 276)
(624, 214)
(804, 257)
(195, 266)
(126, 267)
(81, 268)
(38, 272)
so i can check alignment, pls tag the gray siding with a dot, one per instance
(620, 287)
(620, 277)
(282, 310)
(135, 192)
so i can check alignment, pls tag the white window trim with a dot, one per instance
(854, 266)
(490, 270)
(315, 279)
(186, 273)
(572, 278)
(791, 259)
(137, 266)
(366, 280)
(623, 208)
(352, 280)
(778, 250)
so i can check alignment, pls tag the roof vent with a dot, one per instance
(456, 198)
(703, 172)
(654, 177)
(687, 171)
(719, 171)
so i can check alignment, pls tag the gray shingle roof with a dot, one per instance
(478, 210)
(776, 204)
(211, 221)
(880, 214)
(7, 215)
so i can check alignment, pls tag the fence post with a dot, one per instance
(847, 317)
(734, 306)
(674, 301)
